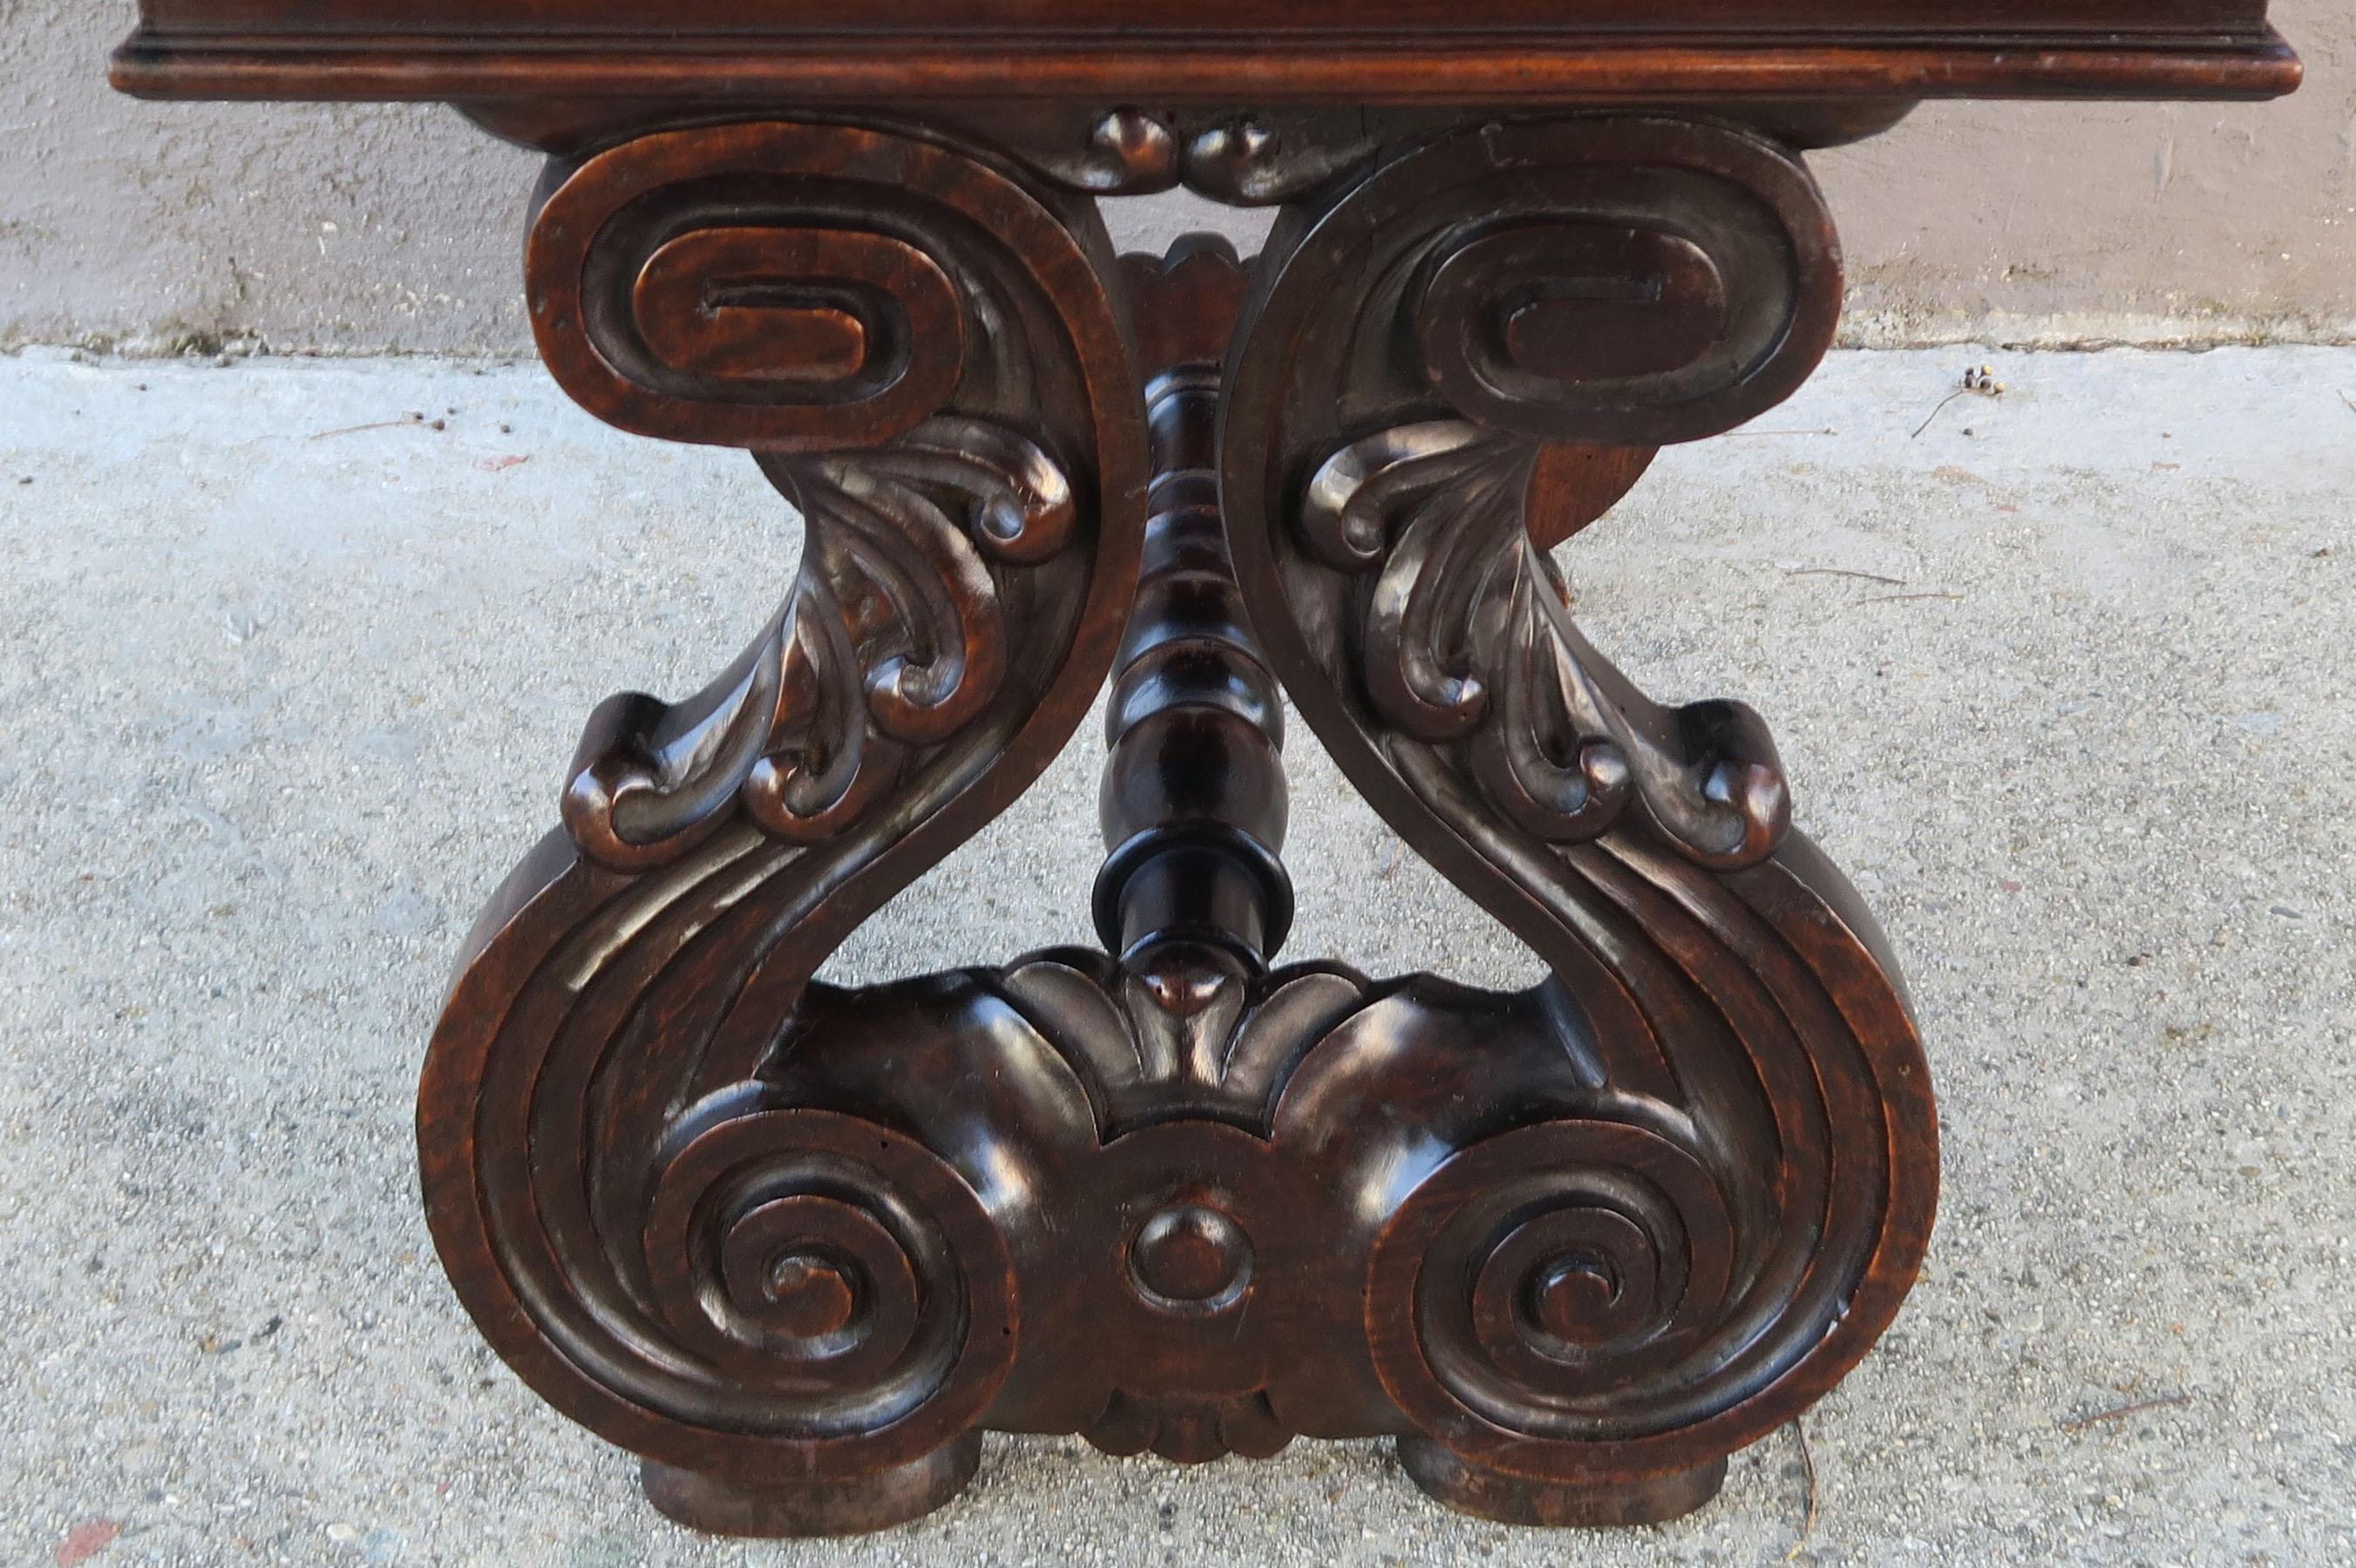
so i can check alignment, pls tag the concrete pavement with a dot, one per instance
(289, 676)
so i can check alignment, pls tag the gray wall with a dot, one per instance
(147, 226)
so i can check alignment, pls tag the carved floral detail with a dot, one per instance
(894, 638)
(925, 478)
(1189, 1430)
(1243, 160)
(1466, 638)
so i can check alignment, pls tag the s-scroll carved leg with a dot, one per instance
(1680, 1211)
(797, 1314)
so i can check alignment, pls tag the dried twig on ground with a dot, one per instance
(1842, 571)
(406, 421)
(2083, 1422)
(1895, 598)
(1808, 1466)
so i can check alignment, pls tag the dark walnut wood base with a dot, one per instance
(799, 1245)
(775, 1507)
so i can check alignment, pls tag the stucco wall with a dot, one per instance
(347, 229)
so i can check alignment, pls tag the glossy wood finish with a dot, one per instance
(796, 1245)
(1576, 1244)
(1544, 52)
(615, 1189)
(1726, 1003)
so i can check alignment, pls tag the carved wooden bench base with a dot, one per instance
(854, 1505)
(908, 1492)
(799, 1245)
(1448, 1477)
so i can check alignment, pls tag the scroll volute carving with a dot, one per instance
(886, 323)
(1514, 320)
(919, 348)
(832, 312)
(766, 285)
(1457, 362)
(1662, 284)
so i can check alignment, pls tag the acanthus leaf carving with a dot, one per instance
(894, 639)
(926, 480)
(1466, 637)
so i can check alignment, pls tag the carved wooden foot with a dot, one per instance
(780, 1509)
(798, 1244)
(1449, 1479)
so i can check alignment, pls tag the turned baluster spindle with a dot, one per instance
(1194, 801)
